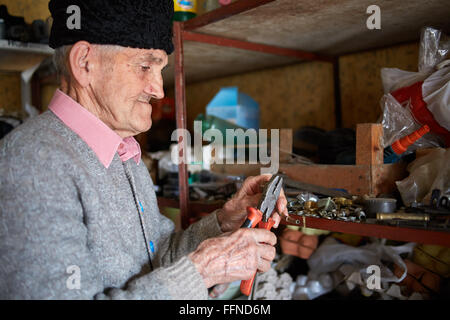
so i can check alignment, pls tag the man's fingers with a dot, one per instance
(281, 208)
(267, 252)
(264, 236)
(253, 185)
(276, 218)
(263, 265)
(282, 203)
(252, 201)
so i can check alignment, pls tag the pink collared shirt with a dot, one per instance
(98, 136)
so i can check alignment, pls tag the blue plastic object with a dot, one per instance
(237, 107)
(390, 156)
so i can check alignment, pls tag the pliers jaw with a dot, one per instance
(270, 196)
(261, 217)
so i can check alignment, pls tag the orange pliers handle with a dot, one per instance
(254, 217)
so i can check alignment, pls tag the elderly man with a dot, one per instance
(78, 214)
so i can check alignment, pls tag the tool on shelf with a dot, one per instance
(403, 216)
(261, 217)
(394, 152)
(314, 188)
(379, 205)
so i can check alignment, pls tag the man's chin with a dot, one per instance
(142, 113)
(145, 127)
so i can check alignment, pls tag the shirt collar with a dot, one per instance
(97, 135)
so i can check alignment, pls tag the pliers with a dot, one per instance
(261, 216)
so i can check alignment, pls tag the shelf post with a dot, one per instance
(180, 107)
(369, 149)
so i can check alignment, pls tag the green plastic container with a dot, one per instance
(184, 9)
(183, 16)
(212, 122)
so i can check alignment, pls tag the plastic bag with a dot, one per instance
(333, 257)
(413, 99)
(426, 174)
(334, 262)
(271, 286)
(398, 122)
(434, 48)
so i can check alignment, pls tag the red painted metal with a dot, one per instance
(374, 230)
(245, 45)
(223, 12)
(180, 108)
(181, 33)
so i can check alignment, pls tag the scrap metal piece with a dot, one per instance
(326, 204)
(403, 216)
(379, 205)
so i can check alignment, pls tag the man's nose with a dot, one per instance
(155, 88)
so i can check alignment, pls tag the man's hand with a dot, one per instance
(234, 256)
(234, 211)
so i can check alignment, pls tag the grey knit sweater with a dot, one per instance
(64, 216)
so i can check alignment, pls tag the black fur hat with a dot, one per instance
(145, 24)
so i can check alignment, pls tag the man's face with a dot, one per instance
(126, 81)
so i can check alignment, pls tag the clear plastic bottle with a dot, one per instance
(394, 152)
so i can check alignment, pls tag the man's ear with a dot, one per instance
(81, 62)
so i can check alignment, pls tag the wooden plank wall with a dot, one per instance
(360, 80)
(10, 100)
(303, 94)
(289, 97)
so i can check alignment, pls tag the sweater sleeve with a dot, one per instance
(174, 245)
(44, 251)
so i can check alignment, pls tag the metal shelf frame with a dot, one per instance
(185, 31)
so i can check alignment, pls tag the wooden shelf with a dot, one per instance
(19, 56)
(417, 235)
(229, 40)
(250, 35)
(368, 177)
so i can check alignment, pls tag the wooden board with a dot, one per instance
(288, 97)
(354, 179)
(331, 27)
(369, 141)
(10, 101)
(368, 177)
(384, 177)
(206, 61)
(360, 80)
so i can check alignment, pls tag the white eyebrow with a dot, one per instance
(152, 58)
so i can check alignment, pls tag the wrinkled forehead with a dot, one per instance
(154, 56)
